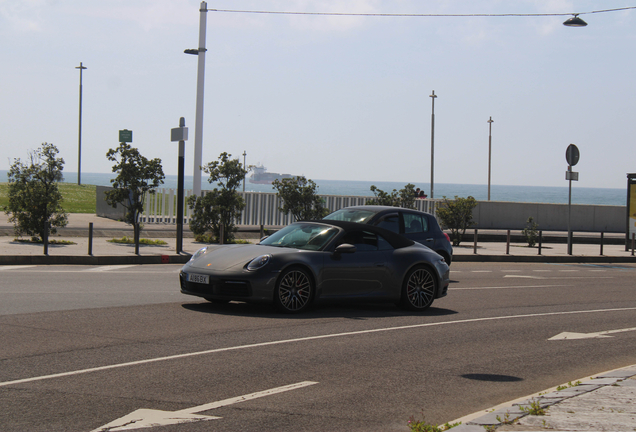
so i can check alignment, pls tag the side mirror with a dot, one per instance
(345, 248)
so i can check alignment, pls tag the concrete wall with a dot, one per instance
(102, 208)
(550, 217)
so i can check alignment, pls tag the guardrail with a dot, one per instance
(261, 208)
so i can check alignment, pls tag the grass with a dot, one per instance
(77, 198)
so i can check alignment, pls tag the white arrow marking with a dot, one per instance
(603, 334)
(145, 418)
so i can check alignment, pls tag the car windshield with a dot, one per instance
(351, 215)
(302, 235)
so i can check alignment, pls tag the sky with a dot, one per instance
(329, 97)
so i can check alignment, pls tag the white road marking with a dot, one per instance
(603, 334)
(481, 271)
(145, 418)
(15, 267)
(111, 267)
(509, 287)
(304, 339)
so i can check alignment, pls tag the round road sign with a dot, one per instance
(572, 155)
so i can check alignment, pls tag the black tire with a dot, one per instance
(294, 291)
(418, 289)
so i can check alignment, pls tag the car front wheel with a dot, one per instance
(294, 291)
(418, 290)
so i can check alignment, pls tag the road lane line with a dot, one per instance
(304, 339)
(508, 287)
(14, 267)
(111, 267)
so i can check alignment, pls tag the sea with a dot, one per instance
(527, 194)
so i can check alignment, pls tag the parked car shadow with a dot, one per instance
(358, 311)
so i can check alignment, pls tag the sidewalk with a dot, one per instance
(104, 252)
(603, 402)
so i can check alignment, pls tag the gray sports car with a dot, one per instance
(307, 262)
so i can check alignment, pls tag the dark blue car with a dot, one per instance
(415, 225)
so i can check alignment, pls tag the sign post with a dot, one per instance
(572, 157)
(180, 134)
(631, 209)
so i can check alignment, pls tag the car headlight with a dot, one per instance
(258, 262)
(199, 253)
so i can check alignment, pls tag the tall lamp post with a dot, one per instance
(81, 67)
(198, 126)
(244, 154)
(432, 96)
(489, 152)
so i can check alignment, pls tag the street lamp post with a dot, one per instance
(489, 152)
(244, 155)
(432, 96)
(198, 127)
(81, 67)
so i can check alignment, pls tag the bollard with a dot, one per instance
(602, 235)
(475, 245)
(508, 243)
(262, 232)
(540, 238)
(90, 238)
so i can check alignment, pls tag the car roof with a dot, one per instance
(394, 239)
(380, 208)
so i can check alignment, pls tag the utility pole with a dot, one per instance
(489, 151)
(81, 67)
(432, 96)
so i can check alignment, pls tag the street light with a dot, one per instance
(81, 67)
(489, 151)
(575, 21)
(198, 126)
(432, 96)
(244, 154)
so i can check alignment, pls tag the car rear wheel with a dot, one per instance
(418, 290)
(294, 291)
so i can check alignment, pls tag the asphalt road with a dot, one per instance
(81, 347)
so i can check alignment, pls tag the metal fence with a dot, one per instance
(260, 208)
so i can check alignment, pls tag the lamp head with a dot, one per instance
(575, 21)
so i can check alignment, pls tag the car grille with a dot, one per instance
(218, 287)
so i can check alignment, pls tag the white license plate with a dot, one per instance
(198, 278)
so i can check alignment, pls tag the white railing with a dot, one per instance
(260, 208)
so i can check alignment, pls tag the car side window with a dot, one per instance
(362, 240)
(390, 222)
(414, 223)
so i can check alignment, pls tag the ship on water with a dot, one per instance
(260, 175)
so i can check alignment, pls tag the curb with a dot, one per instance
(93, 260)
(543, 259)
(185, 257)
(519, 408)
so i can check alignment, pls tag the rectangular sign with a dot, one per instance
(125, 136)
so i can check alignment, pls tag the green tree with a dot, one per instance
(456, 215)
(136, 175)
(221, 206)
(403, 198)
(300, 198)
(530, 232)
(34, 198)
